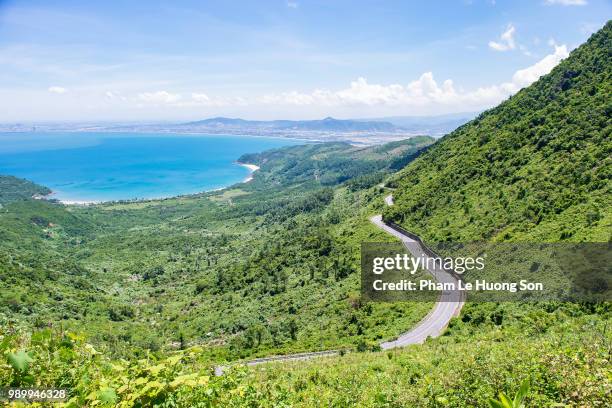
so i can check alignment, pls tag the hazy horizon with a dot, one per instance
(163, 61)
(195, 119)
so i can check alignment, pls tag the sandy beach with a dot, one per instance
(65, 202)
(76, 202)
(251, 167)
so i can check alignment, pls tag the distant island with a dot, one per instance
(355, 131)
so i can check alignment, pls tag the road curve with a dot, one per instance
(449, 304)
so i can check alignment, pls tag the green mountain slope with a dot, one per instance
(334, 163)
(536, 167)
(15, 189)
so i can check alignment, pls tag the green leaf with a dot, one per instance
(505, 400)
(20, 361)
(495, 404)
(107, 395)
(521, 393)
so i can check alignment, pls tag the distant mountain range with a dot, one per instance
(423, 125)
(357, 131)
(328, 124)
(438, 125)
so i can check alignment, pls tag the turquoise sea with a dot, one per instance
(88, 166)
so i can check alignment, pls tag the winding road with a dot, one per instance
(449, 304)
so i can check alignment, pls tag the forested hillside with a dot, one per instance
(334, 163)
(14, 189)
(536, 167)
(132, 304)
(265, 267)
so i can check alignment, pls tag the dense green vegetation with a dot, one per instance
(334, 163)
(265, 267)
(561, 352)
(536, 167)
(15, 189)
(174, 286)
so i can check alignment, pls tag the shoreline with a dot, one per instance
(65, 202)
(78, 202)
(252, 168)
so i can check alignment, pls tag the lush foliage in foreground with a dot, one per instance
(562, 352)
(69, 363)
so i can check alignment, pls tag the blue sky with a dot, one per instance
(181, 60)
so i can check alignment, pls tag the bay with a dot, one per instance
(93, 167)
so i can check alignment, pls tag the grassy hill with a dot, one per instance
(536, 167)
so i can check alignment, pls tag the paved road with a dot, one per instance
(448, 305)
(289, 357)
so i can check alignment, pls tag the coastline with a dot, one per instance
(252, 167)
(65, 202)
(77, 202)
(204, 185)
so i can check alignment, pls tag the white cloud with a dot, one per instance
(567, 2)
(421, 91)
(57, 89)
(113, 96)
(424, 95)
(506, 40)
(524, 77)
(200, 97)
(424, 92)
(159, 97)
(292, 4)
(197, 99)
